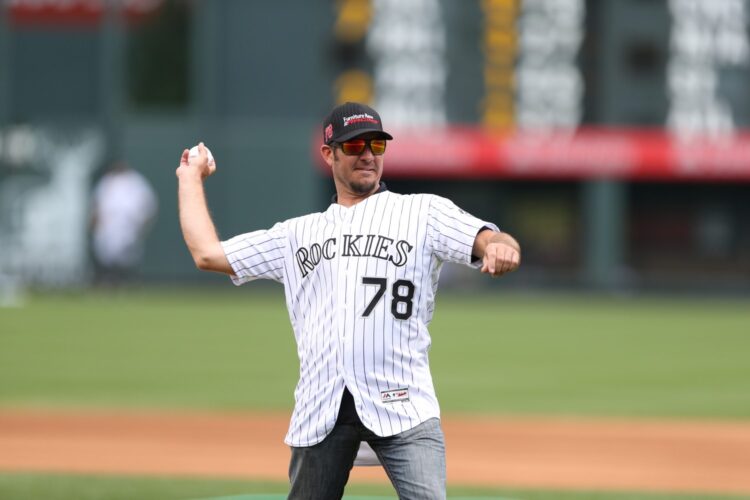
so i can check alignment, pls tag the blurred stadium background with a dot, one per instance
(611, 137)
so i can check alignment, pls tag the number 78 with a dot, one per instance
(402, 293)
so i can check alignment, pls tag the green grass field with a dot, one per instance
(69, 487)
(229, 349)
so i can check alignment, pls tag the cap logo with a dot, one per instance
(360, 118)
(329, 132)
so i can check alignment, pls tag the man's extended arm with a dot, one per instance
(195, 220)
(500, 252)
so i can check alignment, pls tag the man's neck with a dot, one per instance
(347, 199)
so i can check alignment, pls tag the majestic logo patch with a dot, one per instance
(363, 117)
(394, 395)
(329, 132)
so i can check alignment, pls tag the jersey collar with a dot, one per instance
(383, 188)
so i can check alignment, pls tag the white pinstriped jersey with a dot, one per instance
(360, 286)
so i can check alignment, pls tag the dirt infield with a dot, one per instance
(497, 452)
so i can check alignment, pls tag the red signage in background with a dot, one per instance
(73, 12)
(588, 153)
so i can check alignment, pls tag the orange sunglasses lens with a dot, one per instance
(357, 146)
(377, 146)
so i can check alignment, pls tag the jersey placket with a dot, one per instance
(344, 284)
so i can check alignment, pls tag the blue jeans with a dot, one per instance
(414, 461)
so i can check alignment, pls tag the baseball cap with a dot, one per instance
(350, 120)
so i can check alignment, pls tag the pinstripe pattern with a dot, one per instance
(398, 243)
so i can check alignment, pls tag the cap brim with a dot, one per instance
(361, 131)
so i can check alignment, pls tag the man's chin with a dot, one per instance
(363, 188)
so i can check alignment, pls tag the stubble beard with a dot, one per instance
(362, 187)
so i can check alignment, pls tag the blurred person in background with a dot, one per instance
(124, 206)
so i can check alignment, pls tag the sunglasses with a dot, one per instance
(355, 147)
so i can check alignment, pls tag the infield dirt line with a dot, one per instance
(602, 454)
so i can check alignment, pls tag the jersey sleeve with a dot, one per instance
(258, 254)
(452, 231)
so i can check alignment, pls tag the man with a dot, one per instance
(124, 207)
(360, 282)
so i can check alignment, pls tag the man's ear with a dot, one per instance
(326, 152)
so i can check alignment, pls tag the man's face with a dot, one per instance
(358, 174)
